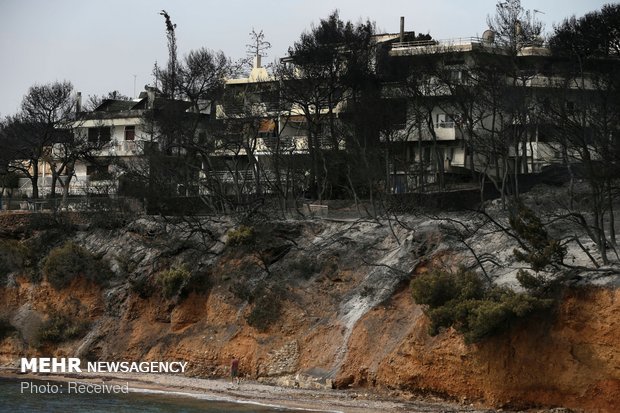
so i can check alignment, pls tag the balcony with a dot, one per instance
(121, 148)
(419, 47)
(231, 176)
(444, 131)
(292, 144)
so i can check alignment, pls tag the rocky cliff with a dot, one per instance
(308, 303)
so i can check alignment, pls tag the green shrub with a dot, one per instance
(463, 301)
(437, 288)
(65, 263)
(14, 256)
(242, 235)
(171, 281)
(540, 250)
(59, 328)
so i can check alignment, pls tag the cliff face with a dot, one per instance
(571, 361)
(344, 315)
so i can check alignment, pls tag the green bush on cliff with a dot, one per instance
(65, 263)
(14, 256)
(59, 328)
(171, 281)
(476, 310)
(242, 235)
(544, 254)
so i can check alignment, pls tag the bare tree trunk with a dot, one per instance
(65, 191)
(53, 190)
(504, 179)
(34, 180)
(436, 152)
(482, 184)
(612, 223)
(600, 234)
(421, 176)
(516, 178)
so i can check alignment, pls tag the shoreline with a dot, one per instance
(251, 392)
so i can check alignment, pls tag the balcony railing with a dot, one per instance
(231, 176)
(294, 143)
(444, 131)
(459, 41)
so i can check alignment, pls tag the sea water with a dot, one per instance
(14, 400)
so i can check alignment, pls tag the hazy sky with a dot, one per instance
(100, 45)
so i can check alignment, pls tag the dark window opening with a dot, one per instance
(99, 135)
(130, 133)
(97, 172)
(427, 155)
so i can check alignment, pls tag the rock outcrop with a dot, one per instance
(344, 315)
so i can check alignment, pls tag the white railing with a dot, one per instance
(442, 42)
(231, 176)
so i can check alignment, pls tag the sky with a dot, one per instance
(106, 45)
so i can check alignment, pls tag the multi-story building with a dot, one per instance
(114, 140)
(464, 105)
(451, 111)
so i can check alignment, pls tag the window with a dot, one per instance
(445, 120)
(427, 155)
(455, 76)
(99, 135)
(130, 133)
(97, 172)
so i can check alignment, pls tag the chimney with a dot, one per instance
(402, 29)
(257, 61)
(78, 102)
(150, 96)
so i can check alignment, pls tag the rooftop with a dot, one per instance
(463, 44)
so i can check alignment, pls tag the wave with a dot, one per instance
(217, 398)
